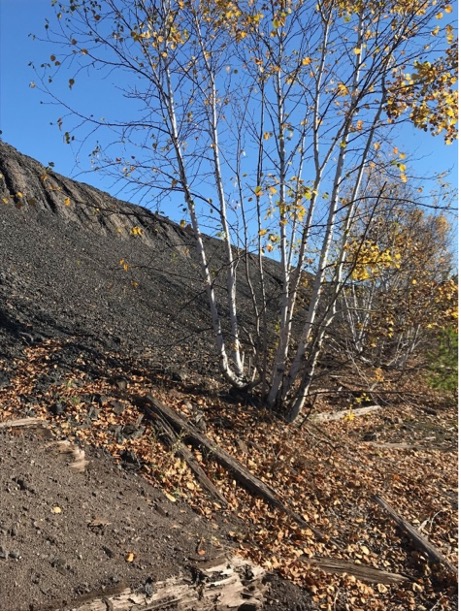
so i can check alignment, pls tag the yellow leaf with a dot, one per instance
(19, 194)
(56, 510)
(129, 557)
(272, 190)
(306, 61)
(357, 50)
(439, 15)
(170, 497)
(262, 232)
(267, 135)
(448, 9)
(123, 263)
(67, 201)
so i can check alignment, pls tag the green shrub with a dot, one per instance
(443, 362)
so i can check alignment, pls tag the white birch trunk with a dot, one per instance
(228, 372)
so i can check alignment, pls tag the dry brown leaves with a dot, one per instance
(327, 475)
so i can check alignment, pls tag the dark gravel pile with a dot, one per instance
(70, 265)
(66, 535)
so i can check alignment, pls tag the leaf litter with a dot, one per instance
(328, 474)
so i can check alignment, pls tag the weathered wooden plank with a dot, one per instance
(23, 422)
(171, 438)
(344, 413)
(228, 584)
(362, 572)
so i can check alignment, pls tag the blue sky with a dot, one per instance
(25, 122)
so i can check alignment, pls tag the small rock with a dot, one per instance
(118, 407)
(57, 408)
(121, 383)
(178, 376)
(110, 553)
(93, 412)
(15, 555)
(100, 399)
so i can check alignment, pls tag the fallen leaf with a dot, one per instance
(200, 550)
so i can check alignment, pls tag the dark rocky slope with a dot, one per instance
(64, 249)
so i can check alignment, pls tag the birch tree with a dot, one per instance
(263, 118)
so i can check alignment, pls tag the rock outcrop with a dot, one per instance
(26, 183)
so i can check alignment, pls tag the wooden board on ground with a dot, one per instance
(166, 433)
(22, 423)
(362, 572)
(227, 584)
(344, 413)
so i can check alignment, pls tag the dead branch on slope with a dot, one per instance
(22, 423)
(152, 408)
(419, 540)
(168, 435)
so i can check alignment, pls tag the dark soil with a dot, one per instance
(65, 535)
